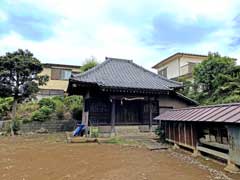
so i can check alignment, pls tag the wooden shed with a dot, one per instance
(119, 92)
(213, 130)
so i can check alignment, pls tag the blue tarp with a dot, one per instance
(79, 129)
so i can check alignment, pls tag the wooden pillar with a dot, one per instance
(113, 115)
(150, 116)
(83, 111)
(185, 133)
(85, 114)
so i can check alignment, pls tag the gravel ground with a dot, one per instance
(214, 174)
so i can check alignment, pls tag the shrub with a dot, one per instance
(26, 120)
(58, 98)
(160, 133)
(46, 110)
(59, 109)
(47, 102)
(25, 110)
(27, 107)
(5, 105)
(15, 126)
(74, 104)
(38, 116)
(42, 114)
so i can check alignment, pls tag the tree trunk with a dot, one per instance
(14, 109)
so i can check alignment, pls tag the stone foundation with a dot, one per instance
(106, 131)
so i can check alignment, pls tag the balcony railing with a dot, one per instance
(187, 69)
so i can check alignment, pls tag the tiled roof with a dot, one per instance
(119, 73)
(229, 113)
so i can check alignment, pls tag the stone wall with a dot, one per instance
(51, 126)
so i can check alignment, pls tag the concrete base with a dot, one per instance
(196, 153)
(109, 131)
(176, 146)
(232, 168)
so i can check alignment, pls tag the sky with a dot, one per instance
(145, 31)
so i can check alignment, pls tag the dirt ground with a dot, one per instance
(47, 157)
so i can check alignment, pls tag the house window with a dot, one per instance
(163, 72)
(51, 92)
(60, 74)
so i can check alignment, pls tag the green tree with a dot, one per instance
(19, 76)
(5, 105)
(207, 73)
(190, 88)
(88, 64)
(216, 80)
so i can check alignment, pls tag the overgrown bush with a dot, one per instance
(51, 108)
(5, 105)
(25, 110)
(74, 104)
(15, 126)
(60, 109)
(42, 114)
(58, 98)
(73, 101)
(159, 131)
(48, 102)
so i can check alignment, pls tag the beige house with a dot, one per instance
(59, 75)
(178, 65)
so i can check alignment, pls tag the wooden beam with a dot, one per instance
(213, 152)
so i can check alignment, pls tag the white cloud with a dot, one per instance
(3, 16)
(87, 29)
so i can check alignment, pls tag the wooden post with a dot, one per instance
(113, 115)
(83, 111)
(85, 114)
(185, 133)
(150, 116)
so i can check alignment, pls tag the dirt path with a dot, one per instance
(44, 158)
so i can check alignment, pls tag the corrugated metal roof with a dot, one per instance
(229, 113)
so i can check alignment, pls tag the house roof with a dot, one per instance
(119, 73)
(60, 65)
(228, 113)
(176, 55)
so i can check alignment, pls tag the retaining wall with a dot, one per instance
(51, 126)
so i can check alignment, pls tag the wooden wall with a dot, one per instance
(182, 133)
(99, 111)
(135, 112)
